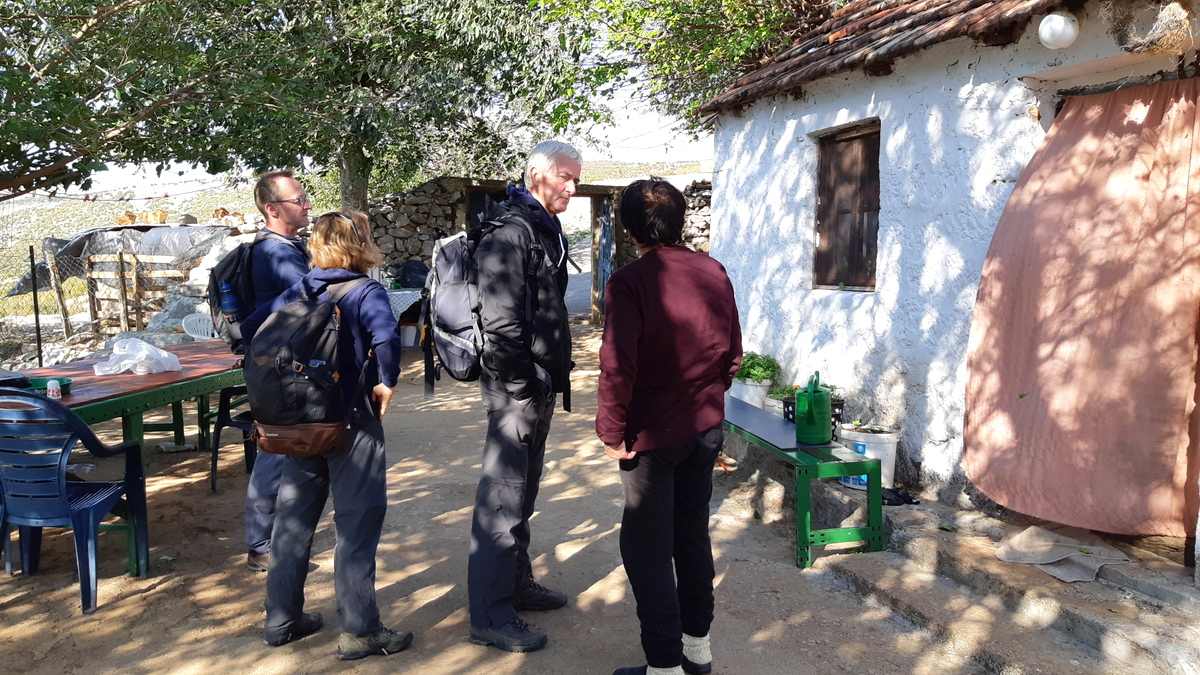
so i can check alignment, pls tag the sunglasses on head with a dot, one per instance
(364, 239)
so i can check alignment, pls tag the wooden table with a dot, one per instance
(208, 367)
(809, 463)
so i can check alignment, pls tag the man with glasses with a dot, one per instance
(277, 261)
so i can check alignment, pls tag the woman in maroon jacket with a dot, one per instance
(672, 344)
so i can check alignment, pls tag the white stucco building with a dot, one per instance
(957, 120)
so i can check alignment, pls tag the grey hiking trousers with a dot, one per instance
(357, 478)
(513, 454)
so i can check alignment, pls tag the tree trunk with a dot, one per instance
(355, 168)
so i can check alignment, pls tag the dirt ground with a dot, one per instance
(201, 609)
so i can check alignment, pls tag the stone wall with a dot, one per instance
(699, 215)
(407, 224)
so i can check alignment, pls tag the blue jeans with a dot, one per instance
(261, 491)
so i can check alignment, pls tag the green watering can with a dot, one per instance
(814, 416)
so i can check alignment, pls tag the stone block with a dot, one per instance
(175, 307)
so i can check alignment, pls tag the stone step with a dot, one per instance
(1159, 581)
(1123, 626)
(971, 633)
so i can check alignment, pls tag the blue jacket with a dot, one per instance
(367, 322)
(275, 264)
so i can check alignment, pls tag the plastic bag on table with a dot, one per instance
(138, 357)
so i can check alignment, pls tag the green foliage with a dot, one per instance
(758, 368)
(84, 84)
(381, 90)
(684, 52)
(783, 392)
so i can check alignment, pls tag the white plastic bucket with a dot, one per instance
(754, 393)
(881, 446)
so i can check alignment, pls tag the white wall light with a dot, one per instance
(1058, 30)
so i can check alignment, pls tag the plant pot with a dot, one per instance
(754, 393)
(876, 443)
(773, 405)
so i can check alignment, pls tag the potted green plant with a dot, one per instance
(754, 378)
(778, 395)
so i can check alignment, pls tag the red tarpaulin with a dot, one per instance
(1080, 402)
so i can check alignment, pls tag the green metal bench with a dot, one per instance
(811, 462)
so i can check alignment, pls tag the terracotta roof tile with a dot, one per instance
(871, 34)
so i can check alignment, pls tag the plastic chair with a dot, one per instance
(5, 543)
(37, 436)
(230, 398)
(199, 326)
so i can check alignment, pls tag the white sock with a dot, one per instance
(651, 670)
(698, 650)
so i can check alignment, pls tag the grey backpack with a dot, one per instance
(453, 337)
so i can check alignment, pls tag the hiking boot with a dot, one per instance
(258, 562)
(514, 636)
(530, 596)
(647, 670)
(696, 668)
(301, 628)
(384, 641)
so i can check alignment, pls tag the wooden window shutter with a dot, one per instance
(847, 208)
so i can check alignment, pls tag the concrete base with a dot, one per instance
(1138, 617)
(941, 573)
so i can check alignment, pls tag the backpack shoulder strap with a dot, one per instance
(341, 289)
(537, 251)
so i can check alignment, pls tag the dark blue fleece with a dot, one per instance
(367, 322)
(275, 264)
(518, 196)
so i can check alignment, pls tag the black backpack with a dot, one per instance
(231, 293)
(452, 328)
(291, 370)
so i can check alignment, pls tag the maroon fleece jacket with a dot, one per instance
(672, 344)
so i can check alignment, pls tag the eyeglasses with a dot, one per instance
(300, 201)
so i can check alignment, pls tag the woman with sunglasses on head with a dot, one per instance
(342, 251)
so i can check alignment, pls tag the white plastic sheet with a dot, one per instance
(138, 357)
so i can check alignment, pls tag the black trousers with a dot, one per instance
(513, 455)
(665, 544)
(357, 478)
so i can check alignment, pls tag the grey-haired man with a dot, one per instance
(526, 364)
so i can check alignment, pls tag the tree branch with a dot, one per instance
(89, 27)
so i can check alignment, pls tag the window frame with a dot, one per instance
(826, 140)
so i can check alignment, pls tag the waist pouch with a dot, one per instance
(310, 439)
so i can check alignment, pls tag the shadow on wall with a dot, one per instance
(898, 352)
